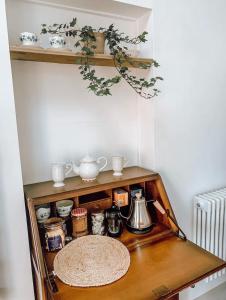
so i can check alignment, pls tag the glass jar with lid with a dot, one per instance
(54, 234)
(97, 218)
(79, 222)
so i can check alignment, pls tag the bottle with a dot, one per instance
(114, 223)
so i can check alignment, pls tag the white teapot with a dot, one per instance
(89, 169)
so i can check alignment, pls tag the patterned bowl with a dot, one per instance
(64, 207)
(57, 41)
(28, 38)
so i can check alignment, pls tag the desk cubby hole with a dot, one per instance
(99, 200)
(153, 193)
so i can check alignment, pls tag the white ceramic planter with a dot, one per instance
(57, 41)
(64, 207)
(43, 213)
(28, 38)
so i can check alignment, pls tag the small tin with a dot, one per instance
(54, 234)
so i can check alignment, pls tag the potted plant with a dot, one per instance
(87, 38)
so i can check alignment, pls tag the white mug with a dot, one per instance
(43, 212)
(28, 38)
(118, 163)
(57, 41)
(59, 171)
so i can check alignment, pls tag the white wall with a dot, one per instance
(15, 271)
(190, 144)
(58, 119)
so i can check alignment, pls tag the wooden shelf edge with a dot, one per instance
(44, 192)
(67, 57)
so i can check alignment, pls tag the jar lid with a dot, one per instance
(97, 211)
(53, 223)
(78, 212)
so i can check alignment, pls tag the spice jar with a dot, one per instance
(54, 235)
(97, 218)
(79, 222)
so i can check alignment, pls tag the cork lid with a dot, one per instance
(79, 212)
(53, 223)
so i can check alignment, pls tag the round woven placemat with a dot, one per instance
(92, 260)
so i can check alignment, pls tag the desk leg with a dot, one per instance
(175, 297)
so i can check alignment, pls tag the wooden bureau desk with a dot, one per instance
(162, 264)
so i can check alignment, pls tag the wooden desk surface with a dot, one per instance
(157, 271)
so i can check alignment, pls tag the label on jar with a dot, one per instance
(120, 197)
(54, 243)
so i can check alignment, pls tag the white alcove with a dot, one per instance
(58, 118)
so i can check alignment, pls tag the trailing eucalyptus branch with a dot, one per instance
(116, 41)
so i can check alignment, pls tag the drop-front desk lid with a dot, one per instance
(157, 271)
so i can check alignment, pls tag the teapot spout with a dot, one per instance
(76, 169)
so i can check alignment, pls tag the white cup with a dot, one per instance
(28, 38)
(43, 212)
(59, 171)
(57, 41)
(118, 163)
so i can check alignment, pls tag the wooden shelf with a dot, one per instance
(67, 57)
(44, 192)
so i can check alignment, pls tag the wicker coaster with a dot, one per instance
(92, 260)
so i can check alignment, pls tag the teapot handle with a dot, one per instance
(125, 162)
(69, 167)
(98, 161)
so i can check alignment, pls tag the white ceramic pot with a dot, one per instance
(28, 38)
(43, 213)
(57, 41)
(64, 207)
(89, 168)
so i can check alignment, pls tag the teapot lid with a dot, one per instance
(87, 159)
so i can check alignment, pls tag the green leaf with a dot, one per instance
(73, 22)
(44, 31)
(116, 79)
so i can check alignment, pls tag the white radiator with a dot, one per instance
(210, 224)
